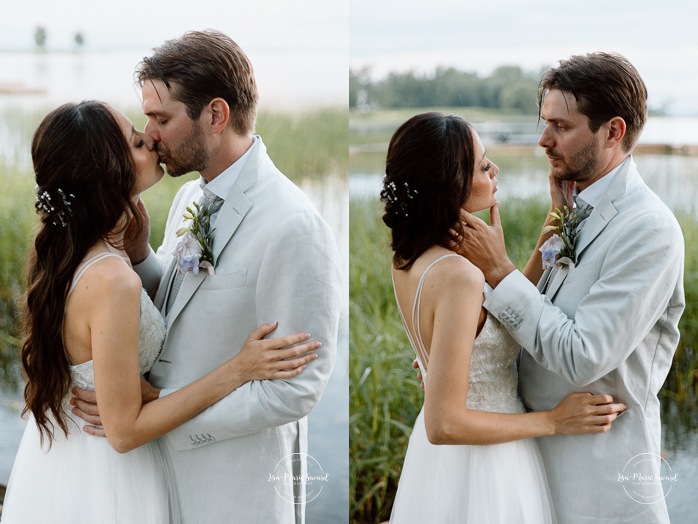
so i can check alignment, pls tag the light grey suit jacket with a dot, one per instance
(276, 259)
(607, 325)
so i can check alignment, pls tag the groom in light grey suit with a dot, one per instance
(607, 323)
(275, 259)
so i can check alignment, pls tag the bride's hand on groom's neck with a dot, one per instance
(561, 193)
(483, 245)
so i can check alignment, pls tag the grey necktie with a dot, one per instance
(214, 203)
(581, 212)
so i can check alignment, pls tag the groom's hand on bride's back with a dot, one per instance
(84, 404)
(415, 365)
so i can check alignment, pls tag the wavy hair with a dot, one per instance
(605, 85)
(428, 177)
(78, 150)
(203, 65)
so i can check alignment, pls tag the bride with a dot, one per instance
(88, 323)
(471, 457)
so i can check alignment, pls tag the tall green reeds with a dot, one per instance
(384, 393)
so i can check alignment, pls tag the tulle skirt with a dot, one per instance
(82, 480)
(495, 484)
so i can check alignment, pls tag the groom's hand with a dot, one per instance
(483, 245)
(84, 404)
(415, 365)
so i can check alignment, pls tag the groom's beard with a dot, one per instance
(579, 167)
(190, 155)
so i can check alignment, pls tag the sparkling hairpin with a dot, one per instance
(46, 204)
(390, 192)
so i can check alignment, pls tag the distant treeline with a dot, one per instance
(508, 87)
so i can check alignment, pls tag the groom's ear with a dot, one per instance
(615, 131)
(218, 114)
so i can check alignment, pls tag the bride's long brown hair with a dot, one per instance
(82, 162)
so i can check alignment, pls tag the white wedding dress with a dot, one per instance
(493, 484)
(81, 479)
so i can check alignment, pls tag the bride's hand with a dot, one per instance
(585, 413)
(136, 240)
(561, 192)
(274, 358)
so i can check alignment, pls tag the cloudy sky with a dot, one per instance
(308, 25)
(303, 47)
(659, 37)
(299, 48)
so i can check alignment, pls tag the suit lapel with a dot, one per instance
(165, 284)
(603, 213)
(190, 284)
(558, 274)
(231, 214)
(593, 226)
(234, 209)
(237, 204)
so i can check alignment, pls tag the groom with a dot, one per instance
(275, 259)
(607, 323)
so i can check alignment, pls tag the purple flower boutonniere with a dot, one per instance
(195, 247)
(562, 243)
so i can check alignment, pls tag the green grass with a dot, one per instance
(384, 394)
(311, 144)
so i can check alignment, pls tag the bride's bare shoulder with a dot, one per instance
(455, 273)
(108, 277)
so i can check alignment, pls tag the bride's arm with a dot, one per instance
(457, 299)
(114, 323)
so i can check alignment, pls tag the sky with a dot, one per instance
(659, 37)
(299, 48)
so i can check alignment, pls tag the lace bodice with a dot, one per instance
(150, 340)
(493, 379)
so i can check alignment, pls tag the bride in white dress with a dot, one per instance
(471, 457)
(88, 323)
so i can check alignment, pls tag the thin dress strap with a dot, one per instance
(416, 341)
(86, 265)
(78, 275)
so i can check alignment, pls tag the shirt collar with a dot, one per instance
(592, 194)
(223, 183)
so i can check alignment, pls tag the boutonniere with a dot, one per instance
(561, 244)
(195, 247)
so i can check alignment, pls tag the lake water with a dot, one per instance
(107, 74)
(673, 177)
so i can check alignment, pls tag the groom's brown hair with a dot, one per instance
(203, 65)
(605, 85)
